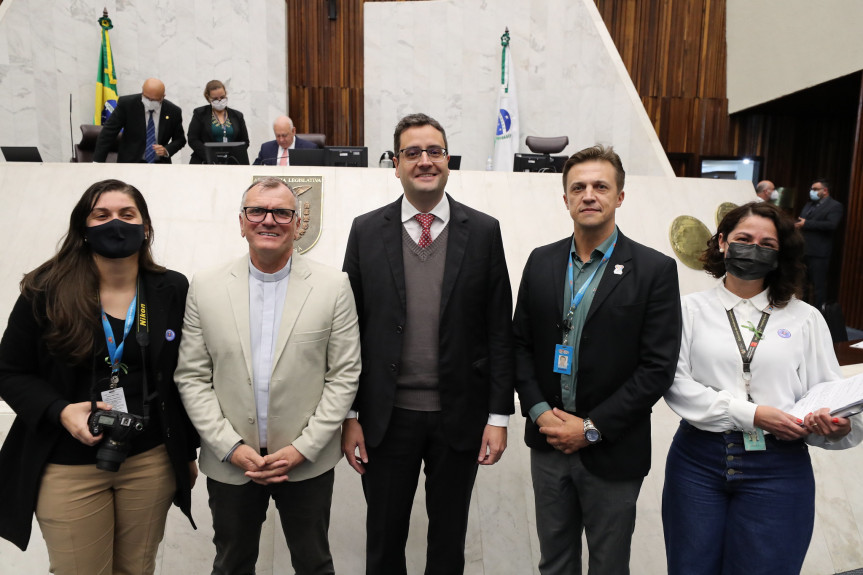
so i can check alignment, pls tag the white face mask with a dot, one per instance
(219, 104)
(774, 195)
(151, 105)
(813, 195)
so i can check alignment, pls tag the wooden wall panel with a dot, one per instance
(852, 261)
(325, 69)
(675, 53)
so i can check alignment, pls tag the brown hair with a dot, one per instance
(787, 279)
(213, 85)
(415, 121)
(594, 153)
(64, 291)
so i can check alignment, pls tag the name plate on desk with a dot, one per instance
(310, 196)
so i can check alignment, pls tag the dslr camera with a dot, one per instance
(119, 428)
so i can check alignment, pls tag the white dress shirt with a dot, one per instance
(795, 354)
(415, 229)
(266, 302)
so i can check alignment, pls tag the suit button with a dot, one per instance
(251, 420)
(159, 376)
(163, 406)
(399, 329)
(392, 367)
(168, 432)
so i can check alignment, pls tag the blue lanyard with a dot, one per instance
(577, 297)
(115, 352)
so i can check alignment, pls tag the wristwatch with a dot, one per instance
(591, 433)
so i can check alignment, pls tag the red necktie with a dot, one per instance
(283, 161)
(425, 221)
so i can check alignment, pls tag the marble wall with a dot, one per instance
(50, 50)
(443, 57)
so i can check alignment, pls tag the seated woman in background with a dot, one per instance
(100, 445)
(739, 493)
(215, 122)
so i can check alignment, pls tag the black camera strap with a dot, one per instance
(142, 335)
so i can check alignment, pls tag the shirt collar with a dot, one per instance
(728, 300)
(600, 250)
(274, 277)
(440, 211)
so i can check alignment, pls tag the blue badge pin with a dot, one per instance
(784, 333)
(170, 335)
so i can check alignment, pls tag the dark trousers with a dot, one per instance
(415, 438)
(727, 511)
(570, 499)
(239, 512)
(817, 270)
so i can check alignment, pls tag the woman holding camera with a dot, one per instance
(739, 493)
(93, 339)
(215, 122)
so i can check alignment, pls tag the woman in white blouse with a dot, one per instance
(739, 493)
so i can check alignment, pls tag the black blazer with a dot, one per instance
(200, 131)
(475, 353)
(822, 219)
(627, 355)
(31, 380)
(129, 117)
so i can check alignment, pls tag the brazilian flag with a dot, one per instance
(106, 79)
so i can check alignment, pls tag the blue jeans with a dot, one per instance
(727, 511)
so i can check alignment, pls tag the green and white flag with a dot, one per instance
(106, 78)
(506, 137)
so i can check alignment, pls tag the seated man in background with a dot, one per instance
(277, 152)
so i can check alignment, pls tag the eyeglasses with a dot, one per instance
(414, 153)
(280, 215)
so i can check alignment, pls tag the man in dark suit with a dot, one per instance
(597, 333)
(277, 152)
(434, 301)
(817, 222)
(152, 128)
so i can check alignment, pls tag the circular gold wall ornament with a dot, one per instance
(722, 211)
(688, 237)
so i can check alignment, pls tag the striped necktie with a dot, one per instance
(149, 152)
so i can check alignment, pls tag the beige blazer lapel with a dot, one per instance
(297, 293)
(238, 293)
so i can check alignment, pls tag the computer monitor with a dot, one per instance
(454, 162)
(21, 153)
(349, 156)
(224, 153)
(538, 163)
(307, 157)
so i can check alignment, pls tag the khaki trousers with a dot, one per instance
(103, 523)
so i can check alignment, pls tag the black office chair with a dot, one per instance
(542, 160)
(547, 146)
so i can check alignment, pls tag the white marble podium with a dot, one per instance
(194, 210)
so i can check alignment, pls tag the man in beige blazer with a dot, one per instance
(269, 365)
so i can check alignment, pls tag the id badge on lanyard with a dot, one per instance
(752, 440)
(563, 353)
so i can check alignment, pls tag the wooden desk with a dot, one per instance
(848, 355)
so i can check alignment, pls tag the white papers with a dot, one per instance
(858, 345)
(844, 397)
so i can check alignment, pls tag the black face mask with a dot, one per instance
(116, 239)
(750, 261)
